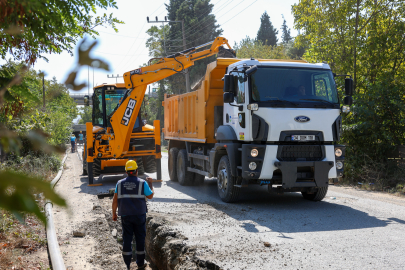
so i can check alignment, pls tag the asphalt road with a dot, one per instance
(349, 229)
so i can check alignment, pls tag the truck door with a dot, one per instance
(235, 117)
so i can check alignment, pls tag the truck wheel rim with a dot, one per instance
(222, 180)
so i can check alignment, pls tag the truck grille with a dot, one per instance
(300, 153)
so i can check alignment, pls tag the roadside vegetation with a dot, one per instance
(33, 133)
(360, 38)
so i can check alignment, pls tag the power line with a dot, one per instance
(198, 24)
(210, 24)
(115, 34)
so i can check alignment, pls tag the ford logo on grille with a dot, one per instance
(302, 119)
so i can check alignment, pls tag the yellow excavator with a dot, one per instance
(117, 132)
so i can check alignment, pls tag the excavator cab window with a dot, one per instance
(98, 107)
(105, 100)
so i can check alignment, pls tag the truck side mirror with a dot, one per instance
(348, 100)
(86, 100)
(251, 71)
(229, 83)
(228, 97)
(349, 86)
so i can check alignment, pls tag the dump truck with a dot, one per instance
(116, 133)
(257, 121)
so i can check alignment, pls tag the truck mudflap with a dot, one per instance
(290, 176)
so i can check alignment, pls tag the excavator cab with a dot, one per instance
(106, 99)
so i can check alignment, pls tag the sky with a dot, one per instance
(126, 49)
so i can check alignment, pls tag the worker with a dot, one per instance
(73, 141)
(130, 199)
(81, 137)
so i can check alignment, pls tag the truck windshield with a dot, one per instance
(293, 87)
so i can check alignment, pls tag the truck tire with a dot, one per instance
(198, 179)
(172, 164)
(149, 164)
(85, 160)
(317, 196)
(185, 177)
(226, 182)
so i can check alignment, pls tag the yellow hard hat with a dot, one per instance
(131, 165)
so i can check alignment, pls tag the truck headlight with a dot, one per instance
(345, 109)
(338, 152)
(254, 153)
(253, 107)
(252, 166)
(339, 165)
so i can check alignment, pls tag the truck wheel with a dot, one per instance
(172, 164)
(149, 164)
(84, 160)
(317, 196)
(185, 177)
(198, 179)
(226, 182)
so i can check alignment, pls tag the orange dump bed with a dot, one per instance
(190, 116)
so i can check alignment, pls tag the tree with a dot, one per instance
(360, 38)
(33, 28)
(248, 48)
(200, 27)
(85, 114)
(30, 29)
(286, 33)
(267, 34)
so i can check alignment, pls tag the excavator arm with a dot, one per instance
(124, 117)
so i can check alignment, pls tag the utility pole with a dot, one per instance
(116, 77)
(184, 44)
(43, 90)
(88, 80)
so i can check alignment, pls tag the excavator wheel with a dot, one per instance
(141, 169)
(149, 164)
(85, 160)
(97, 167)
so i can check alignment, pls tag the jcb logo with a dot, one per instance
(128, 112)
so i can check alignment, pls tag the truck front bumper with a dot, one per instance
(290, 177)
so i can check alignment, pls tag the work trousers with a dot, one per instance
(134, 225)
(73, 145)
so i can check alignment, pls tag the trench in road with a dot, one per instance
(350, 231)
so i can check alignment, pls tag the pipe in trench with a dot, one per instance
(53, 245)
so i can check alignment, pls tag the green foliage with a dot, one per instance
(375, 127)
(85, 114)
(286, 33)
(248, 48)
(33, 28)
(15, 195)
(267, 34)
(361, 38)
(200, 27)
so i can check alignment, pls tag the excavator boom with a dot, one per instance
(123, 119)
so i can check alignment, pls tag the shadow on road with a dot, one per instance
(288, 213)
